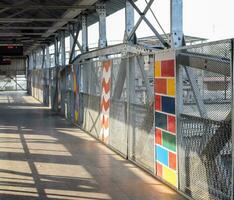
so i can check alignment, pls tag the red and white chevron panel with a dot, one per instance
(105, 100)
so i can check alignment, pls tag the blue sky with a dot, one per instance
(211, 19)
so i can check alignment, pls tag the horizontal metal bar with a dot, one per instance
(112, 50)
(6, 20)
(29, 28)
(47, 7)
(209, 63)
(20, 34)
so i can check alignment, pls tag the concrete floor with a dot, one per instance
(42, 156)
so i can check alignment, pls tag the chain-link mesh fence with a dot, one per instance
(204, 137)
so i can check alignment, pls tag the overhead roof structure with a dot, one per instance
(35, 22)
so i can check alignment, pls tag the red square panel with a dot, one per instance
(161, 86)
(172, 160)
(158, 136)
(159, 168)
(168, 69)
(171, 125)
(158, 103)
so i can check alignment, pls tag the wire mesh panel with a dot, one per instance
(118, 107)
(90, 89)
(46, 87)
(131, 129)
(141, 115)
(204, 136)
(205, 171)
(37, 84)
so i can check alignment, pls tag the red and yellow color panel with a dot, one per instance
(76, 92)
(105, 100)
(165, 121)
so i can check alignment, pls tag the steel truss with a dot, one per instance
(80, 24)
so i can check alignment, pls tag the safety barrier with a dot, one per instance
(169, 111)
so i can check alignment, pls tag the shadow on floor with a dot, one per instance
(42, 156)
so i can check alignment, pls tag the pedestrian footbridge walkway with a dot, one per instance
(43, 156)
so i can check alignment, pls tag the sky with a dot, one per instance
(210, 19)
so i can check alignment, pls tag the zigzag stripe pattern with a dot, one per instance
(107, 65)
(105, 122)
(105, 104)
(106, 85)
(105, 100)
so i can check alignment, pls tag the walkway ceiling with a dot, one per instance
(35, 22)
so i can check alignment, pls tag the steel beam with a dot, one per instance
(84, 25)
(101, 10)
(74, 45)
(47, 57)
(177, 36)
(63, 51)
(24, 20)
(115, 49)
(129, 22)
(205, 62)
(47, 7)
(196, 92)
(72, 37)
(142, 15)
(70, 13)
(43, 58)
(56, 57)
(131, 34)
(13, 34)
(4, 9)
(29, 28)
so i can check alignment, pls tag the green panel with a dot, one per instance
(169, 141)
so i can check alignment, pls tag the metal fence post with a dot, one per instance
(130, 100)
(232, 122)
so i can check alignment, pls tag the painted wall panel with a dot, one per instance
(165, 119)
(105, 101)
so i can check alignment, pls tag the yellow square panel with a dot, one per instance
(170, 176)
(157, 69)
(171, 88)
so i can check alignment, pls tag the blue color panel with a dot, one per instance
(168, 105)
(161, 155)
(161, 120)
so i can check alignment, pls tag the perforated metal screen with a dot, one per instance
(204, 137)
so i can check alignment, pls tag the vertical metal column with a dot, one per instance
(43, 57)
(71, 32)
(131, 71)
(232, 122)
(56, 57)
(101, 10)
(34, 60)
(177, 36)
(177, 40)
(47, 57)
(63, 51)
(84, 33)
(129, 20)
